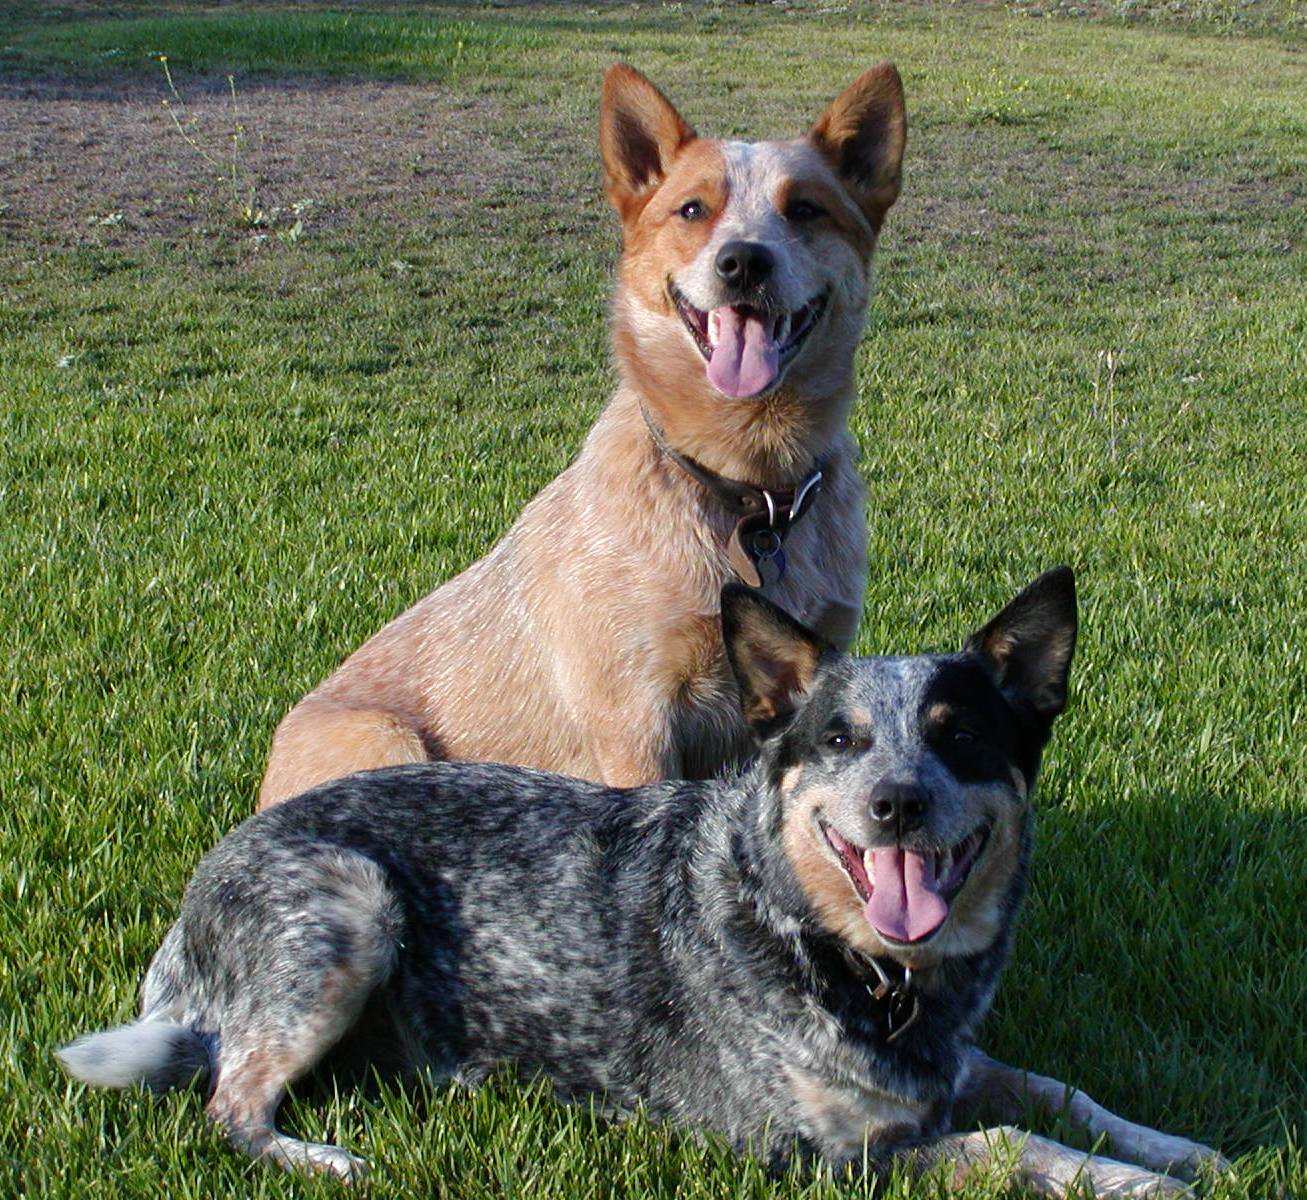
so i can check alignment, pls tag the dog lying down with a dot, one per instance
(795, 958)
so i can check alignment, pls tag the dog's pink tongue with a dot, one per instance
(745, 359)
(905, 903)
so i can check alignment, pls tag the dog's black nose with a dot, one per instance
(744, 264)
(898, 807)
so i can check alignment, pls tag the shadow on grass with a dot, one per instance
(1160, 963)
(406, 46)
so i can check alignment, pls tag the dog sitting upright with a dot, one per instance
(587, 640)
(795, 958)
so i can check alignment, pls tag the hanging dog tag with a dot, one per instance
(755, 552)
(768, 556)
(902, 1004)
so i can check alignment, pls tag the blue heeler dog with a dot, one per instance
(796, 958)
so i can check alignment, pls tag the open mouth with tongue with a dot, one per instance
(906, 893)
(748, 348)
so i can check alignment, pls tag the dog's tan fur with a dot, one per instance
(503, 662)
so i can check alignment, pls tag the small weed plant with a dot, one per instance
(225, 155)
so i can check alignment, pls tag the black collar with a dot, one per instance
(765, 516)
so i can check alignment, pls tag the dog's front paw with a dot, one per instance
(316, 1158)
(1051, 1169)
(1107, 1177)
(1201, 1161)
(1171, 1155)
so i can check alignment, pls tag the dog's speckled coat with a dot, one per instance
(697, 949)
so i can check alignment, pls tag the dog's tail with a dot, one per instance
(160, 1054)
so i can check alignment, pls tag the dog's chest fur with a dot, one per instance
(667, 633)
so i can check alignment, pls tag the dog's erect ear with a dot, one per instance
(639, 134)
(774, 658)
(861, 134)
(1028, 646)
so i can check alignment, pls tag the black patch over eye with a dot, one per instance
(973, 729)
(692, 210)
(803, 211)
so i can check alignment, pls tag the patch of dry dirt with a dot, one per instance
(106, 164)
(82, 163)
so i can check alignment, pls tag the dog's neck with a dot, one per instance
(770, 443)
(738, 497)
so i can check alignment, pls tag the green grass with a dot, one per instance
(228, 456)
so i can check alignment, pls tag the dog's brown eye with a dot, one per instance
(841, 742)
(803, 211)
(963, 736)
(692, 210)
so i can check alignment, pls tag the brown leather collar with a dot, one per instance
(765, 515)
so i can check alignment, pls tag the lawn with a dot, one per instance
(282, 353)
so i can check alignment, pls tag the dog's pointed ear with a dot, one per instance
(1028, 646)
(862, 134)
(639, 134)
(774, 658)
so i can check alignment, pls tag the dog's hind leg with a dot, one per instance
(320, 740)
(277, 951)
(313, 951)
(993, 1091)
(255, 1068)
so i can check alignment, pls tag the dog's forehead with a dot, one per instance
(699, 166)
(753, 173)
(888, 689)
(762, 176)
(762, 169)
